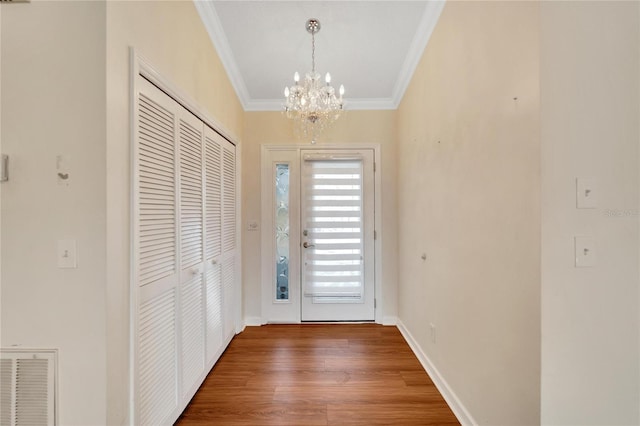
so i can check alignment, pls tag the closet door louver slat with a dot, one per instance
(213, 242)
(192, 333)
(228, 277)
(190, 194)
(184, 253)
(214, 312)
(157, 396)
(228, 199)
(228, 236)
(156, 258)
(156, 193)
(213, 193)
(192, 294)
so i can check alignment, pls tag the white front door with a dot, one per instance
(337, 235)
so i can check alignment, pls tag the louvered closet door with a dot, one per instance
(155, 257)
(184, 253)
(229, 243)
(213, 241)
(191, 249)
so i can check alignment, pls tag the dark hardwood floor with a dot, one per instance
(312, 374)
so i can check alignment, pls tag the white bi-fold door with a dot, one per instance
(318, 237)
(184, 253)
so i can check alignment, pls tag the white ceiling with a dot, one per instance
(372, 47)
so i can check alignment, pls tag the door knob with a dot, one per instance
(307, 245)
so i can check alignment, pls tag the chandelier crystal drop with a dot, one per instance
(312, 103)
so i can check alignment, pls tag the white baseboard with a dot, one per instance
(252, 321)
(463, 415)
(389, 320)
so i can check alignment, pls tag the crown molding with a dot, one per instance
(214, 28)
(369, 104)
(427, 24)
(350, 104)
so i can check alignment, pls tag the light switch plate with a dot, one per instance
(586, 193)
(67, 254)
(585, 252)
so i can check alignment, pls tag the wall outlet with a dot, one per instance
(67, 254)
(432, 328)
(585, 252)
(586, 193)
(4, 168)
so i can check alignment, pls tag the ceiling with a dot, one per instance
(372, 47)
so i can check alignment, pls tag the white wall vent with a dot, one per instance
(27, 387)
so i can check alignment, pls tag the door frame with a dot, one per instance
(268, 304)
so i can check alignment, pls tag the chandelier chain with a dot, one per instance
(313, 51)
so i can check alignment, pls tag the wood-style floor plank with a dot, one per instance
(318, 374)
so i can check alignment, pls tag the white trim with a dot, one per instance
(350, 104)
(379, 310)
(460, 411)
(148, 71)
(237, 294)
(389, 320)
(214, 28)
(416, 50)
(212, 24)
(133, 213)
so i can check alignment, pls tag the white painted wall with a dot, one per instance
(53, 104)
(589, 74)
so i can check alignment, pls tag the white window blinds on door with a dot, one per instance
(333, 229)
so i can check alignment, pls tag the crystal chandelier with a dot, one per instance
(311, 104)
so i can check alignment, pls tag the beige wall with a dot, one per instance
(469, 198)
(463, 165)
(589, 112)
(272, 128)
(171, 37)
(53, 104)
